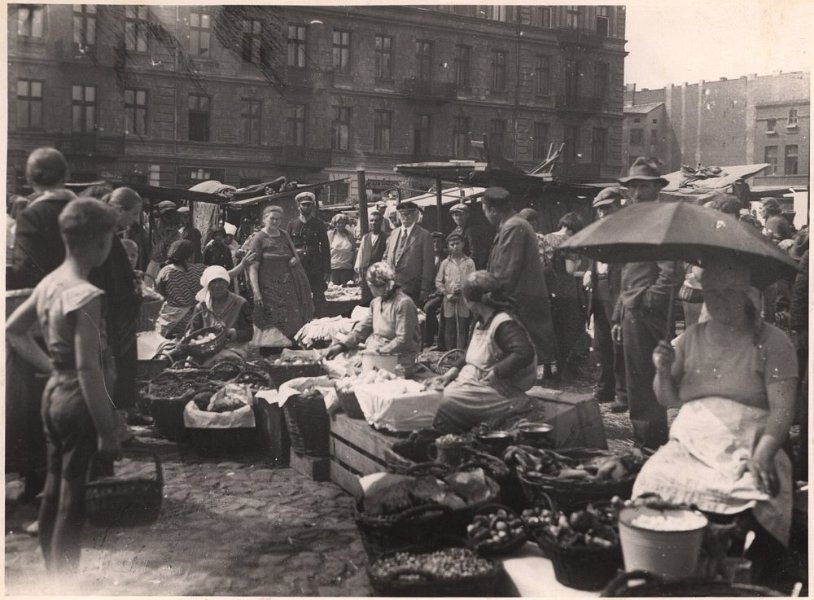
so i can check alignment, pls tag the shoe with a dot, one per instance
(618, 406)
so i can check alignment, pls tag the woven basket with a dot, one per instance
(655, 587)
(285, 372)
(15, 298)
(208, 349)
(512, 544)
(417, 528)
(580, 568)
(117, 502)
(350, 404)
(148, 313)
(309, 425)
(415, 583)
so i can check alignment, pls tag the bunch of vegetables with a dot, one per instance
(591, 527)
(203, 338)
(326, 329)
(536, 518)
(449, 563)
(293, 361)
(494, 528)
(535, 463)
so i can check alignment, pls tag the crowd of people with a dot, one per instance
(510, 305)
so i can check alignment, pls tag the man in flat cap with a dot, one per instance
(310, 237)
(603, 282)
(515, 261)
(409, 251)
(476, 244)
(640, 316)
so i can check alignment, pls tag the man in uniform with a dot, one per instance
(640, 316)
(310, 237)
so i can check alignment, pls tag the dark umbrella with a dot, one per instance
(681, 231)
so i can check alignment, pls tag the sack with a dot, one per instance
(690, 294)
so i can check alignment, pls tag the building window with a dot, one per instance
(460, 137)
(542, 75)
(251, 48)
(770, 156)
(188, 176)
(599, 145)
(602, 80)
(463, 66)
(636, 137)
(155, 175)
(572, 17)
(571, 139)
(792, 121)
(791, 160)
(498, 71)
(135, 111)
(497, 136)
(295, 122)
(422, 137)
(423, 50)
(341, 51)
(250, 112)
(30, 21)
(572, 78)
(654, 137)
(297, 44)
(382, 124)
(84, 24)
(384, 57)
(540, 146)
(199, 110)
(135, 28)
(83, 104)
(771, 125)
(29, 104)
(341, 128)
(544, 16)
(602, 21)
(200, 33)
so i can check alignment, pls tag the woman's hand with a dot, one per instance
(764, 473)
(333, 351)
(249, 258)
(293, 262)
(436, 383)
(258, 299)
(496, 382)
(663, 357)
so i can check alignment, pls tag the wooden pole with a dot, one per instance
(362, 194)
(668, 328)
(438, 203)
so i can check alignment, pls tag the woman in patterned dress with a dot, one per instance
(282, 295)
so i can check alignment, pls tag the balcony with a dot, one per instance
(91, 144)
(423, 90)
(580, 171)
(302, 156)
(67, 51)
(578, 104)
(306, 79)
(576, 37)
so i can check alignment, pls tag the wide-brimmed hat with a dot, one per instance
(644, 169)
(459, 208)
(607, 196)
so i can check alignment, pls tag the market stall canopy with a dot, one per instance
(681, 231)
(705, 180)
(449, 196)
(154, 194)
(309, 187)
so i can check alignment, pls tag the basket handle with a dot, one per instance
(619, 583)
(396, 574)
(159, 469)
(428, 468)
(424, 509)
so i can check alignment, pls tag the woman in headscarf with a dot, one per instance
(282, 295)
(179, 282)
(489, 384)
(733, 379)
(343, 250)
(391, 325)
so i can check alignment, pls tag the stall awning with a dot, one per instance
(449, 196)
(310, 187)
(729, 175)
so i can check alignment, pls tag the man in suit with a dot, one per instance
(603, 281)
(409, 251)
(640, 316)
(371, 251)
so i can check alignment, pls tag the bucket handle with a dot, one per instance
(619, 583)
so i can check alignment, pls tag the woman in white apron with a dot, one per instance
(500, 365)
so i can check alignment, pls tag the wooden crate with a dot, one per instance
(356, 450)
(315, 469)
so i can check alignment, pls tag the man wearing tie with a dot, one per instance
(409, 251)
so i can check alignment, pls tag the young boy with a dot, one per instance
(77, 410)
(451, 274)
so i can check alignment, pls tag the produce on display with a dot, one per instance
(449, 563)
(203, 338)
(536, 518)
(324, 330)
(494, 528)
(536, 463)
(349, 292)
(591, 527)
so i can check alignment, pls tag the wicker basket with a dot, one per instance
(655, 587)
(512, 544)
(117, 502)
(309, 425)
(285, 372)
(148, 313)
(350, 404)
(208, 349)
(15, 298)
(415, 583)
(580, 568)
(417, 528)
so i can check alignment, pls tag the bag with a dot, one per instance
(691, 294)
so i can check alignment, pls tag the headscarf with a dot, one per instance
(209, 275)
(180, 252)
(382, 274)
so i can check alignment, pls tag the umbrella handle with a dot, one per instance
(668, 326)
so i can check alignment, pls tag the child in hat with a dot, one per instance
(451, 274)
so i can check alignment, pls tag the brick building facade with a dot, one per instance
(172, 95)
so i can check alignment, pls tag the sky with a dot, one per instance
(674, 42)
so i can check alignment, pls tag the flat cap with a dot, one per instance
(459, 208)
(166, 205)
(496, 194)
(607, 196)
(407, 205)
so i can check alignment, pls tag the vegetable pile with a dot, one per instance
(203, 338)
(495, 528)
(325, 330)
(291, 360)
(449, 563)
(535, 463)
(591, 527)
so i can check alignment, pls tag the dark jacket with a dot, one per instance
(646, 288)
(798, 321)
(194, 236)
(311, 241)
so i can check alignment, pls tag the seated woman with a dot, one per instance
(734, 379)
(391, 326)
(500, 365)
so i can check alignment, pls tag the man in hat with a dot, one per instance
(165, 232)
(188, 232)
(475, 245)
(640, 316)
(310, 237)
(371, 250)
(515, 261)
(603, 282)
(409, 251)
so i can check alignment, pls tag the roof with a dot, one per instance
(641, 109)
(309, 187)
(448, 196)
(729, 175)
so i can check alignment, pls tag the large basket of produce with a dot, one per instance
(223, 422)
(293, 364)
(309, 425)
(576, 477)
(453, 571)
(204, 343)
(496, 530)
(583, 546)
(124, 502)
(148, 313)
(168, 394)
(641, 584)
